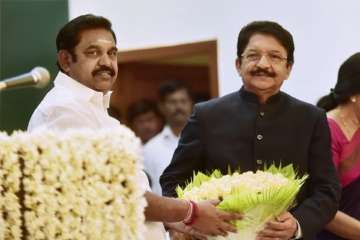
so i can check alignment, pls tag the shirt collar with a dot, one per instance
(167, 133)
(252, 97)
(81, 91)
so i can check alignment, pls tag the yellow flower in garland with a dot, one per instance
(74, 185)
(10, 174)
(260, 196)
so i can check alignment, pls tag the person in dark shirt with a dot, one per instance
(260, 125)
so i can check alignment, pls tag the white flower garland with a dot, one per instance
(10, 221)
(77, 185)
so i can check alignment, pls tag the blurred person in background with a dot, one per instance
(343, 112)
(176, 106)
(144, 119)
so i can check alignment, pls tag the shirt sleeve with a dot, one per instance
(144, 182)
(59, 119)
(324, 189)
(298, 234)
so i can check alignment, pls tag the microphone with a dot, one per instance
(38, 77)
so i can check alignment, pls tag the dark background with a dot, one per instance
(27, 39)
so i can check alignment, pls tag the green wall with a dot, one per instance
(27, 39)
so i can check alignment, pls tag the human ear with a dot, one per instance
(238, 66)
(288, 69)
(64, 60)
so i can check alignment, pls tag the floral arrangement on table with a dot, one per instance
(259, 196)
(71, 185)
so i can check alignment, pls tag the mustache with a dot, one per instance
(104, 68)
(258, 71)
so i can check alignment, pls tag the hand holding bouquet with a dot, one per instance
(259, 196)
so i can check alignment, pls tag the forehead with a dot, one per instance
(96, 37)
(264, 42)
(178, 94)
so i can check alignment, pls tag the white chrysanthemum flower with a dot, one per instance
(73, 185)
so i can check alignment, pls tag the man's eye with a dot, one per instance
(253, 56)
(113, 53)
(92, 53)
(275, 57)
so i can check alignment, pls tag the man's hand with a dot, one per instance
(282, 227)
(212, 221)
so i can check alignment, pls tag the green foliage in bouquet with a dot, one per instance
(259, 196)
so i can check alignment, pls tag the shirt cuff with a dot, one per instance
(298, 233)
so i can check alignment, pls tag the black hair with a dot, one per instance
(347, 85)
(141, 107)
(169, 87)
(269, 28)
(69, 35)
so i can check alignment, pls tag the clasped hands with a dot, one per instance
(212, 221)
(209, 221)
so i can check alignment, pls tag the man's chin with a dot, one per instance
(263, 78)
(103, 88)
(263, 82)
(104, 84)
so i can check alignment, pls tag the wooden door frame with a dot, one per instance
(208, 48)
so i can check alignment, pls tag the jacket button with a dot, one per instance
(259, 137)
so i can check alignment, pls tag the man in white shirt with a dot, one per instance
(176, 105)
(71, 104)
(87, 59)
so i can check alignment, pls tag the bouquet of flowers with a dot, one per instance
(71, 185)
(260, 196)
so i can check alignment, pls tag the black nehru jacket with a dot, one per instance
(237, 131)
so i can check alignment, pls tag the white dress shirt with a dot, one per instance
(158, 153)
(69, 105)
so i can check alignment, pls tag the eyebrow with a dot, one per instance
(94, 46)
(114, 48)
(271, 51)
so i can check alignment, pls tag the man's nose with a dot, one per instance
(105, 60)
(263, 62)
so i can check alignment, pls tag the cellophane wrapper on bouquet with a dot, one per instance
(259, 196)
(71, 185)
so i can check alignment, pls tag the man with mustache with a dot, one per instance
(175, 105)
(260, 125)
(87, 60)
